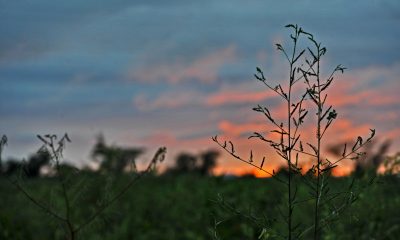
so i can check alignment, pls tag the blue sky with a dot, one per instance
(147, 73)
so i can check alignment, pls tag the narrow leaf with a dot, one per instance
(298, 56)
(312, 53)
(372, 135)
(326, 112)
(290, 26)
(262, 163)
(232, 147)
(313, 148)
(344, 150)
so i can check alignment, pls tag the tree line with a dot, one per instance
(113, 159)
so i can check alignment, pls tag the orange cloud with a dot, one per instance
(343, 129)
(229, 128)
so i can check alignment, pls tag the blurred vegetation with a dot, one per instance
(31, 168)
(187, 202)
(187, 207)
(114, 159)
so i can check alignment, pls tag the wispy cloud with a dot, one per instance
(232, 97)
(168, 100)
(204, 69)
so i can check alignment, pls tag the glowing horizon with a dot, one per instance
(149, 74)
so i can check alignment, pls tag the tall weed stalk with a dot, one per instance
(304, 71)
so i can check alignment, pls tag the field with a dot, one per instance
(189, 206)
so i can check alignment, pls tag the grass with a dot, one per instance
(183, 207)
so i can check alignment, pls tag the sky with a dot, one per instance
(174, 73)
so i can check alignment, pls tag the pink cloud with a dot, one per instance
(345, 130)
(350, 89)
(343, 94)
(204, 69)
(342, 97)
(381, 100)
(232, 129)
(167, 100)
(237, 96)
(393, 134)
(160, 139)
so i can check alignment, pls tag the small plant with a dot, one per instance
(64, 214)
(304, 92)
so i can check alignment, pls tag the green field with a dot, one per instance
(184, 207)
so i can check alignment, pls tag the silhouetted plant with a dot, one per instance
(54, 148)
(304, 67)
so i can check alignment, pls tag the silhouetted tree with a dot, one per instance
(392, 164)
(36, 162)
(186, 162)
(114, 158)
(209, 161)
(201, 164)
(31, 168)
(11, 166)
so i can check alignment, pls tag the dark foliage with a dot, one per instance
(179, 207)
(31, 168)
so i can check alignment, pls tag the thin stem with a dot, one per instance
(318, 191)
(290, 209)
(61, 179)
(37, 203)
(289, 150)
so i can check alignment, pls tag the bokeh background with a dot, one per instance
(174, 73)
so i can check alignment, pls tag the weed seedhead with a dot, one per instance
(304, 68)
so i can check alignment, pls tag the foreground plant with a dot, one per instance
(305, 74)
(54, 147)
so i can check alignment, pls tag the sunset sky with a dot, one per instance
(174, 73)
